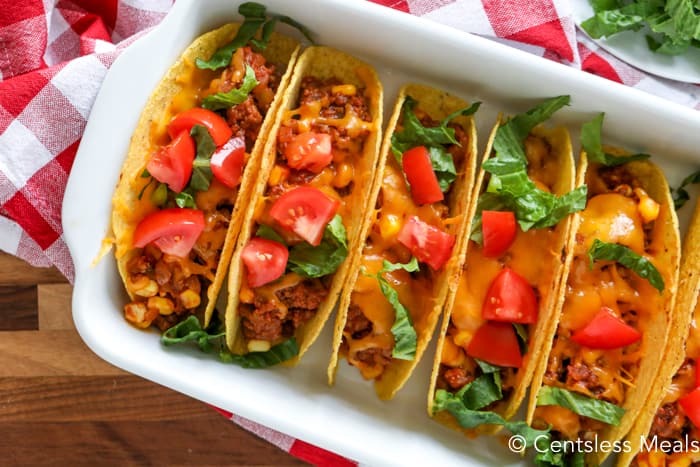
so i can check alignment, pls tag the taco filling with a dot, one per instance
(300, 236)
(199, 147)
(508, 289)
(613, 291)
(397, 294)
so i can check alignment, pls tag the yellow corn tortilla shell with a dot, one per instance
(559, 140)
(320, 62)
(666, 259)
(685, 307)
(438, 105)
(169, 97)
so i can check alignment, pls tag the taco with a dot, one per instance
(667, 430)
(508, 292)
(609, 340)
(395, 294)
(301, 232)
(190, 166)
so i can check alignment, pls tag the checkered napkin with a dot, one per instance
(55, 54)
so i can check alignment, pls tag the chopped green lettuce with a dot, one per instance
(580, 404)
(318, 261)
(510, 188)
(212, 340)
(255, 18)
(591, 140)
(629, 259)
(415, 134)
(224, 100)
(674, 25)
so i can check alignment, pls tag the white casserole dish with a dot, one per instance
(348, 418)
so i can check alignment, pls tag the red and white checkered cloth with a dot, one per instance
(55, 53)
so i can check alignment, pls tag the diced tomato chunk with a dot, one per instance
(499, 230)
(425, 188)
(426, 242)
(606, 331)
(510, 298)
(306, 211)
(265, 261)
(174, 231)
(496, 343)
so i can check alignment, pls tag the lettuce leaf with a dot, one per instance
(224, 100)
(255, 18)
(201, 166)
(628, 258)
(510, 188)
(680, 194)
(433, 138)
(318, 261)
(674, 24)
(470, 418)
(582, 405)
(591, 140)
(405, 337)
(279, 353)
(189, 330)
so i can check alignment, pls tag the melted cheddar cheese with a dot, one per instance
(216, 203)
(416, 292)
(612, 216)
(531, 255)
(335, 180)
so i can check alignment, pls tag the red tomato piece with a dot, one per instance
(265, 260)
(510, 298)
(305, 211)
(697, 375)
(425, 188)
(691, 406)
(172, 164)
(428, 243)
(227, 162)
(496, 343)
(606, 331)
(499, 231)
(184, 121)
(309, 151)
(174, 231)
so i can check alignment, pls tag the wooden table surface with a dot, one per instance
(60, 404)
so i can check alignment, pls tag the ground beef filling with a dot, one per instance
(168, 289)
(246, 118)
(275, 319)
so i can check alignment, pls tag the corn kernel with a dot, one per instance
(343, 175)
(389, 226)
(163, 305)
(347, 89)
(190, 299)
(246, 295)
(255, 345)
(462, 338)
(139, 315)
(148, 290)
(648, 208)
(278, 174)
(452, 355)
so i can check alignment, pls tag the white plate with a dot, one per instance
(347, 419)
(631, 47)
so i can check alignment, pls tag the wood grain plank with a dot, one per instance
(54, 306)
(49, 353)
(19, 308)
(104, 398)
(206, 441)
(14, 271)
